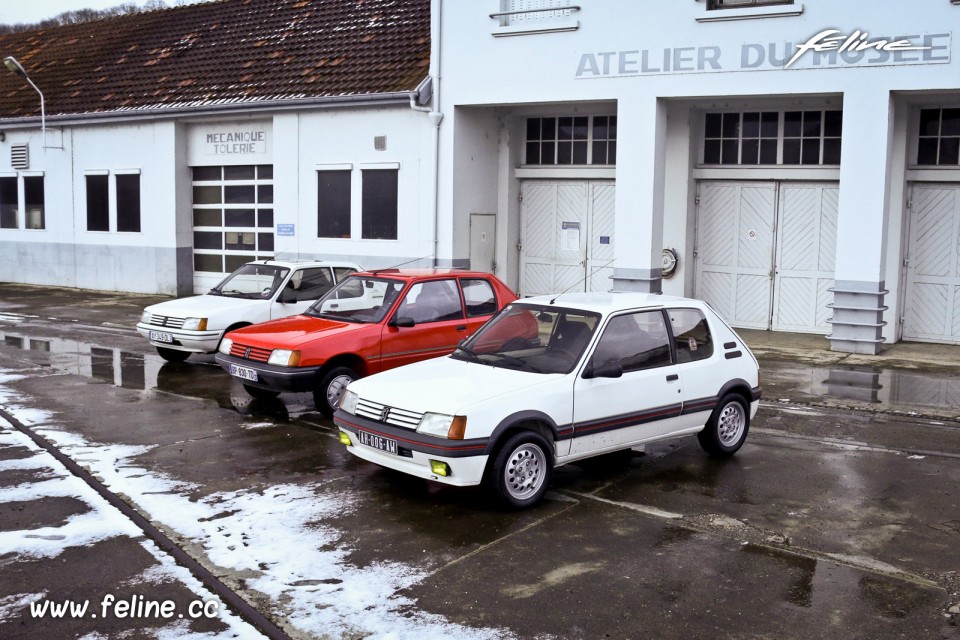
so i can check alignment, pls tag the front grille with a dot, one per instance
(397, 417)
(250, 353)
(165, 321)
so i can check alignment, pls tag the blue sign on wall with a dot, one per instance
(286, 230)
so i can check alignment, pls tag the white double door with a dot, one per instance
(765, 252)
(931, 310)
(567, 236)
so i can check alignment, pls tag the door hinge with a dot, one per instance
(519, 246)
(696, 200)
(909, 204)
(906, 262)
(520, 197)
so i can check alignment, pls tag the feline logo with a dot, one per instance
(834, 40)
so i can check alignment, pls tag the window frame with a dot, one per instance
(102, 203)
(214, 180)
(126, 210)
(346, 169)
(823, 138)
(369, 201)
(590, 141)
(919, 137)
(10, 212)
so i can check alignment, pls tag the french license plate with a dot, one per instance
(243, 372)
(159, 336)
(378, 442)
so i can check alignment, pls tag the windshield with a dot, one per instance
(537, 338)
(252, 281)
(364, 299)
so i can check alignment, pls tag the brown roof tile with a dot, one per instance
(224, 51)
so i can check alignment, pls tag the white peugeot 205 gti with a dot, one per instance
(550, 380)
(256, 292)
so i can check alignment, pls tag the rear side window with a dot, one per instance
(343, 272)
(691, 334)
(479, 296)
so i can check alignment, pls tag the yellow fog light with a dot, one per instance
(345, 439)
(439, 468)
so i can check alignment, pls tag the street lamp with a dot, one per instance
(14, 66)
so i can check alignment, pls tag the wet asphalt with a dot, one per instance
(839, 518)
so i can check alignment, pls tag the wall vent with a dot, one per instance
(20, 156)
(380, 143)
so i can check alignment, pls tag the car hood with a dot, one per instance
(295, 331)
(445, 385)
(203, 306)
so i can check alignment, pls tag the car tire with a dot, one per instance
(259, 393)
(173, 355)
(727, 427)
(521, 470)
(327, 394)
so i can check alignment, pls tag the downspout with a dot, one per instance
(435, 117)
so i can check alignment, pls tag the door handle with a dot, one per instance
(672, 377)
(462, 327)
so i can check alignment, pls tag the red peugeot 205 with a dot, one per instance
(370, 322)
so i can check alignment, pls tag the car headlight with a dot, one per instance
(225, 345)
(441, 425)
(284, 358)
(145, 317)
(195, 324)
(348, 401)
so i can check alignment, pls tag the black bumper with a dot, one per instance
(272, 377)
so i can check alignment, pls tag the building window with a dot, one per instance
(812, 137)
(772, 138)
(232, 216)
(741, 138)
(333, 203)
(98, 202)
(379, 204)
(9, 204)
(128, 202)
(34, 202)
(572, 140)
(939, 141)
(526, 16)
(737, 4)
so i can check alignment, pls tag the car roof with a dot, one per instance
(611, 301)
(307, 263)
(428, 272)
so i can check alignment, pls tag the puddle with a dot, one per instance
(880, 386)
(146, 372)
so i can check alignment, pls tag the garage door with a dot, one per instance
(932, 301)
(567, 242)
(765, 253)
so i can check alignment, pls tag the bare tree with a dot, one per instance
(88, 15)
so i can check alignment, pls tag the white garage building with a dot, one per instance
(181, 143)
(800, 159)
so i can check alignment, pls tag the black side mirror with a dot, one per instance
(609, 369)
(287, 296)
(402, 321)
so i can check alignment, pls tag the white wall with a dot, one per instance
(617, 55)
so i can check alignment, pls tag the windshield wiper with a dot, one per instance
(329, 316)
(517, 361)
